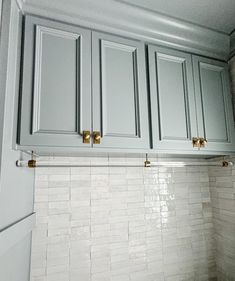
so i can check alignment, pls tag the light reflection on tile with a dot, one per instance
(223, 210)
(126, 224)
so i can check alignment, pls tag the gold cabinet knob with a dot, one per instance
(199, 142)
(203, 142)
(196, 142)
(86, 136)
(97, 137)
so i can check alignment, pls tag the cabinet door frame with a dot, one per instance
(214, 145)
(30, 90)
(141, 140)
(172, 143)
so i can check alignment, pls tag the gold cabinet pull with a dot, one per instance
(196, 142)
(199, 142)
(86, 136)
(97, 137)
(203, 142)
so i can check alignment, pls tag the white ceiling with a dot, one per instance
(215, 14)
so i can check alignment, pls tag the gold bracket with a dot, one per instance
(86, 136)
(32, 163)
(225, 163)
(97, 137)
(147, 163)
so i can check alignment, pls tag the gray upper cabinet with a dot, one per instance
(190, 98)
(56, 94)
(120, 105)
(77, 80)
(56, 91)
(214, 104)
(173, 113)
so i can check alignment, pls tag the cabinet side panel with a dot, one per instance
(15, 263)
(16, 185)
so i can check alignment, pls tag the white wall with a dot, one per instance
(16, 185)
(123, 224)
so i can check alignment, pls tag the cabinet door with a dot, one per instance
(172, 99)
(120, 105)
(56, 92)
(214, 104)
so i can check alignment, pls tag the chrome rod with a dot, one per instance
(54, 164)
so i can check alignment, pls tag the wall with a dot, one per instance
(16, 185)
(222, 187)
(123, 224)
(232, 79)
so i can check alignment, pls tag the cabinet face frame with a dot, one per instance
(64, 128)
(120, 104)
(165, 113)
(220, 135)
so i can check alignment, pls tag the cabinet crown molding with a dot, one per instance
(124, 19)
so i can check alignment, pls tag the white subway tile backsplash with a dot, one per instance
(130, 224)
(222, 183)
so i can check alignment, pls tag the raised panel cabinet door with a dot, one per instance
(173, 113)
(56, 90)
(120, 103)
(214, 104)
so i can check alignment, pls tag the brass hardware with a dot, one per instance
(32, 163)
(199, 142)
(86, 136)
(147, 164)
(97, 137)
(203, 142)
(225, 163)
(196, 142)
